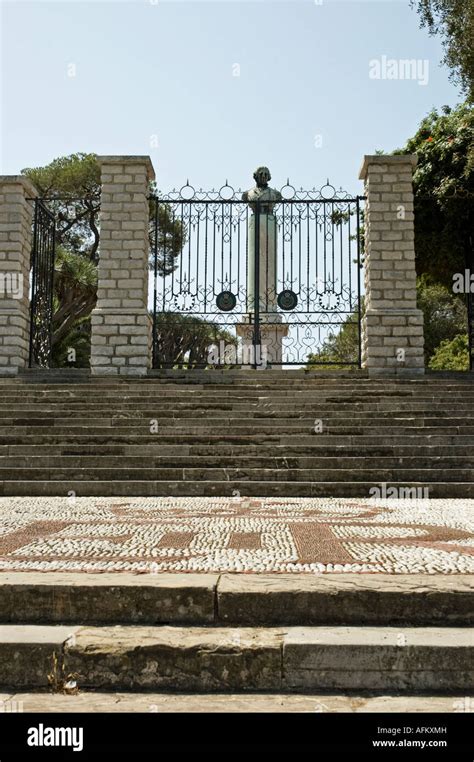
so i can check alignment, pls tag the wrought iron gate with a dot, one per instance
(221, 299)
(42, 275)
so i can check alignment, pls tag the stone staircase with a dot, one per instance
(273, 637)
(235, 432)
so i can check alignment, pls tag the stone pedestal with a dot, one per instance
(271, 344)
(392, 327)
(121, 324)
(16, 216)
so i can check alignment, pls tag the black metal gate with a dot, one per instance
(236, 286)
(42, 275)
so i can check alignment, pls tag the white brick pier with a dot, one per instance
(16, 210)
(392, 328)
(121, 325)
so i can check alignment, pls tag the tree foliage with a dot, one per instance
(78, 339)
(184, 341)
(452, 354)
(75, 292)
(73, 185)
(338, 348)
(444, 314)
(443, 185)
(453, 20)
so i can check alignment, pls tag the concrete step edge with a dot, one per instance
(243, 658)
(251, 599)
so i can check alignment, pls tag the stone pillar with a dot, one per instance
(16, 217)
(121, 324)
(392, 328)
(267, 248)
(272, 329)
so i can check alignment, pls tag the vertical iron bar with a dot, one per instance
(308, 215)
(214, 252)
(291, 246)
(51, 289)
(349, 209)
(284, 212)
(247, 305)
(33, 283)
(222, 245)
(198, 217)
(190, 228)
(341, 246)
(316, 248)
(238, 253)
(359, 306)
(299, 252)
(206, 207)
(333, 249)
(325, 243)
(256, 289)
(155, 284)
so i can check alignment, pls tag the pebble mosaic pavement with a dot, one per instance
(236, 534)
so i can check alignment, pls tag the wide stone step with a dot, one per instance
(151, 488)
(236, 599)
(208, 397)
(260, 438)
(126, 423)
(381, 439)
(158, 448)
(243, 659)
(324, 387)
(144, 439)
(425, 412)
(234, 460)
(116, 702)
(331, 386)
(239, 377)
(236, 473)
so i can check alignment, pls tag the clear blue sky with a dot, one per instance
(165, 68)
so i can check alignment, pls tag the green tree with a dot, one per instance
(453, 20)
(444, 314)
(338, 348)
(72, 186)
(72, 183)
(443, 185)
(75, 291)
(452, 354)
(183, 341)
(78, 339)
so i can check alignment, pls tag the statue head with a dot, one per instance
(262, 177)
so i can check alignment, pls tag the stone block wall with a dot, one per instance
(16, 217)
(392, 328)
(121, 325)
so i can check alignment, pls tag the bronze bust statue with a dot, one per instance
(266, 196)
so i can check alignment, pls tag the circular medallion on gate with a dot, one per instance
(287, 300)
(226, 301)
(329, 301)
